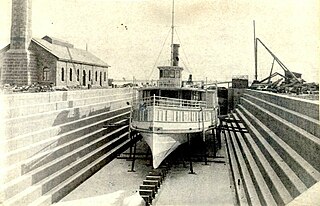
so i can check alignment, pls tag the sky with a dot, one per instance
(216, 36)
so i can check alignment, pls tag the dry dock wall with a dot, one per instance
(280, 153)
(51, 142)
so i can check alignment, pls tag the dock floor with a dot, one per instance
(113, 184)
(209, 186)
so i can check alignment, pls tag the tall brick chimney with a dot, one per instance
(21, 32)
(19, 65)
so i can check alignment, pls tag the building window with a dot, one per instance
(100, 79)
(84, 83)
(70, 75)
(62, 74)
(177, 74)
(171, 73)
(46, 74)
(161, 73)
(78, 74)
(105, 76)
(96, 76)
(89, 75)
(166, 74)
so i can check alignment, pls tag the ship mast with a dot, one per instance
(172, 32)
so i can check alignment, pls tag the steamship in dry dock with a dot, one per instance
(167, 114)
(172, 111)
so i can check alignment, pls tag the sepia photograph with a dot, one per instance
(166, 103)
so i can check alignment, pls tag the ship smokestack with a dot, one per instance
(175, 54)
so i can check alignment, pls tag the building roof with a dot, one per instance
(57, 41)
(4, 49)
(66, 52)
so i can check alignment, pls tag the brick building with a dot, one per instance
(28, 60)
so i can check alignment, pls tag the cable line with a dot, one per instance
(159, 55)
(184, 53)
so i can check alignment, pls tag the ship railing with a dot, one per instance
(163, 83)
(171, 102)
(174, 115)
(193, 84)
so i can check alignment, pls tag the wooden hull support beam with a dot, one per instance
(189, 152)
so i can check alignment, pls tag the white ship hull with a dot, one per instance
(162, 145)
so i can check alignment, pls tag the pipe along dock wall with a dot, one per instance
(276, 160)
(52, 142)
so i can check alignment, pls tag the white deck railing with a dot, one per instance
(171, 102)
(160, 114)
(163, 109)
(163, 83)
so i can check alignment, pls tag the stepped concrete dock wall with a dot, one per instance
(51, 142)
(277, 160)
